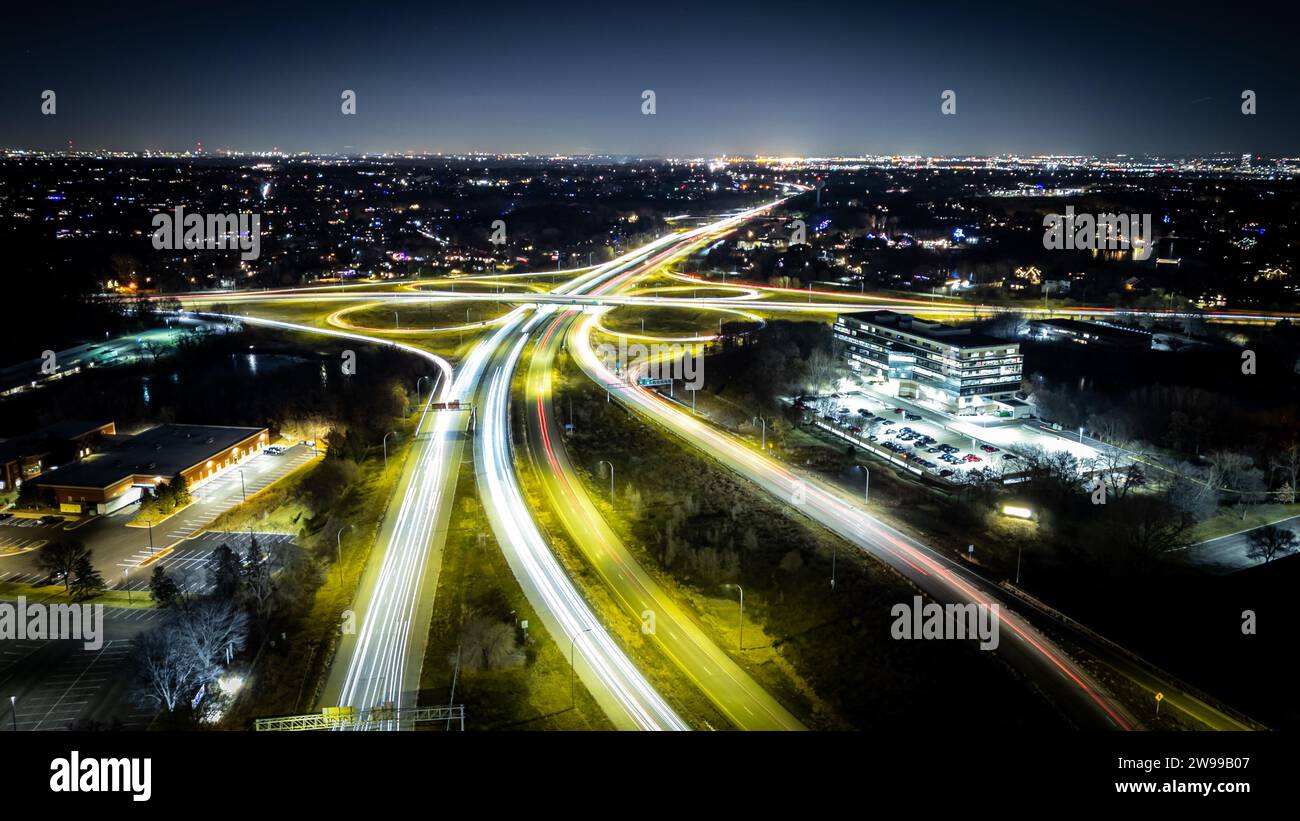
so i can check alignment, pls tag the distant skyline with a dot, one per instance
(831, 79)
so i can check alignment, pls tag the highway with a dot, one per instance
(1070, 687)
(379, 660)
(627, 698)
(623, 693)
(730, 688)
(380, 663)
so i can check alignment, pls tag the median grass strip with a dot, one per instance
(508, 677)
(55, 594)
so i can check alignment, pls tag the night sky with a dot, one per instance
(825, 78)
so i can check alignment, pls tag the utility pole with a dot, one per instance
(386, 435)
(573, 698)
(338, 545)
(611, 480)
(741, 643)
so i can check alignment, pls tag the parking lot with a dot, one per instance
(919, 440)
(59, 685)
(222, 493)
(189, 561)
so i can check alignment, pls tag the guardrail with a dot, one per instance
(1091, 635)
(347, 718)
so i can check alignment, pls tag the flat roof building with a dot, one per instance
(23, 458)
(955, 369)
(114, 478)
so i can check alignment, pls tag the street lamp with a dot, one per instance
(150, 523)
(126, 582)
(386, 435)
(1019, 547)
(242, 490)
(611, 480)
(866, 492)
(396, 323)
(13, 711)
(1081, 434)
(417, 389)
(764, 421)
(573, 698)
(741, 643)
(338, 545)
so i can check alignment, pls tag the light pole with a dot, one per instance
(242, 490)
(386, 435)
(1081, 434)
(126, 582)
(13, 711)
(338, 546)
(611, 480)
(150, 523)
(417, 389)
(1019, 548)
(866, 492)
(764, 441)
(573, 698)
(741, 643)
(396, 323)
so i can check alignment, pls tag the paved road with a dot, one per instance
(730, 688)
(1227, 554)
(625, 696)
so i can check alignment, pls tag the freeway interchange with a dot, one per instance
(380, 663)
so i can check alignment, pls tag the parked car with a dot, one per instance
(988, 449)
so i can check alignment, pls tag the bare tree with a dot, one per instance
(1116, 468)
(823, 370)
(1287, 462)
(1236, 472)
(166, 670)
(211, 631)
(489, 644)
(1270, 542)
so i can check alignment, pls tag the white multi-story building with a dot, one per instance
(955, 369)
